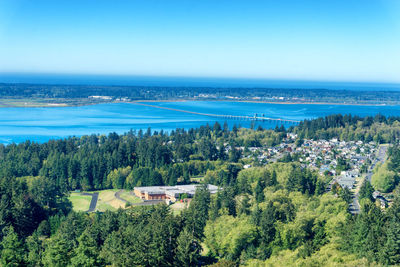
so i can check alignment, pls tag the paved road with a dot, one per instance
(93, 202)
(144, 203)
(149, 202)
(380, 158)
(355, 206)
(118, 196)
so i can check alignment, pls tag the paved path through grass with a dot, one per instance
(93, 202)
(128, 197)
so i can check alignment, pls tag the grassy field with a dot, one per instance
(107, 200)
(129, 197)
(79, 202)
(197, 179)
(178, 207)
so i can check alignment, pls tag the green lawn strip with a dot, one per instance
(104, 207)
(131, 198)
(108, 190)
(177, 208)
(197, 179)
(106, 200)
(79, 202)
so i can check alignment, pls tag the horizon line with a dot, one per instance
(197, 78)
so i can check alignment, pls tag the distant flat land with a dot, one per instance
(38, 95)
(276, 102)
(45, 102)
(57, 102)
(4, 103)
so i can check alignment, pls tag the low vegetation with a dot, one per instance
(130, 197)
(108, 201)
(79, 201)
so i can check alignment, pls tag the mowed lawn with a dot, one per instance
(79, 202)
(106, 200)
(178, 207)
(130, 197)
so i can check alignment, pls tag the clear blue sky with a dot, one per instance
(345, 40)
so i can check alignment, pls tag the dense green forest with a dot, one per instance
(379, 128)
(43, 91)
(275, 214)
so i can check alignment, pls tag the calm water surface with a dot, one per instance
(42, 124)
(43, 78)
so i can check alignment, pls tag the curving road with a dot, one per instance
(144, 203)
(118, 196)
(380, 158)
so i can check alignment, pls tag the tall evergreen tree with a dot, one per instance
(259, 191)
(197, 214)
(391, 249)
(12, 249)
(86, 254)
(187, 250)
(366, 191)
(59, 251)
(267, 230)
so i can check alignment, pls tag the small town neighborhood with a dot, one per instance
(348, 163)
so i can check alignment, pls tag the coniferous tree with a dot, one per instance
(197, 214)
(244, 205)
(366, 191)
(259, 191)
(12, 248)
(58, 251)
(187, 250)
(267, 229)
(34, 244)
(345, 194)
(87, 252)
(391, 248)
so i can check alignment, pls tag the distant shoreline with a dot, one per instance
(269, 102)
(44, 103)
(35, 103)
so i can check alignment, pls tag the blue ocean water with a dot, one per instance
(42, 124)
(190, 81)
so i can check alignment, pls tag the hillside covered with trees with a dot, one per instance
(273, 214)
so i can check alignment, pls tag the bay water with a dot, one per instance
(45, 123)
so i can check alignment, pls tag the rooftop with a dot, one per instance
(189, 189)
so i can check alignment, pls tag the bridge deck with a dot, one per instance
(221, 115)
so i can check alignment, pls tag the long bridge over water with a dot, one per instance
(232, 117)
